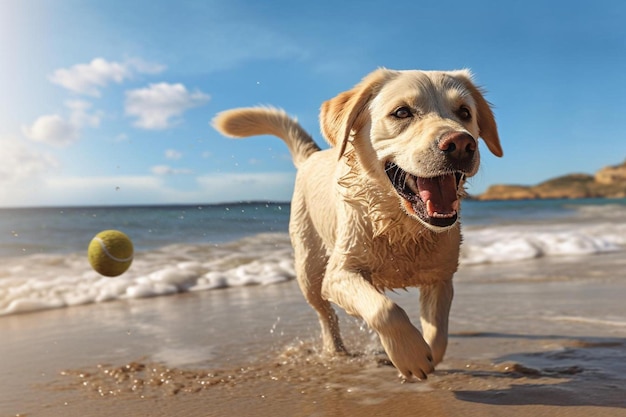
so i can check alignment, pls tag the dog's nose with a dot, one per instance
(457, 145)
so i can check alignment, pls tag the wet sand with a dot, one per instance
(544, 337)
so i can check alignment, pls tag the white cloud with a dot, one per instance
(80, 116)
(89, 78)
(19, 162)
(53, 130)
(144, 67)
(155, 106)
(173, 154)
(22, 172)
(167, 170)
(56, 131)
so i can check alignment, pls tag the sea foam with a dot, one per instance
(41, 282)
(38, 282)
(514, 243)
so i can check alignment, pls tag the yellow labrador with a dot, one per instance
(380, 209)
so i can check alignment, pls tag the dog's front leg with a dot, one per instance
(403, 343)
(435, 301)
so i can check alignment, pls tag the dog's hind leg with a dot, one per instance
(310, 281)
(310, 269)
(310, 264)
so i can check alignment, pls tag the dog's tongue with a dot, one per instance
(439, 194)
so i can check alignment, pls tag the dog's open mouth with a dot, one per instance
(432, 200)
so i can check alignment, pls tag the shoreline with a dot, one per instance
(551, 345)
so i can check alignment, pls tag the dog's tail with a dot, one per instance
(244, 122)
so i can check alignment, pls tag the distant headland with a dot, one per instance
(609, 182)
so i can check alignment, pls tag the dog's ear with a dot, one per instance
(486, 119)
(340, 115)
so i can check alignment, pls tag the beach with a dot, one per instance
(221, 328)
(552, 345)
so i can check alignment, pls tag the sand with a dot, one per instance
(539, 338)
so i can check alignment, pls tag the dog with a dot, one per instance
(379, 210)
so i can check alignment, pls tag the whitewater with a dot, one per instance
(43, 262)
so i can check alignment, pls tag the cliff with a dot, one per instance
(609, 182)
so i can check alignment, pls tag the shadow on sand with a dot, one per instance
(584, 371)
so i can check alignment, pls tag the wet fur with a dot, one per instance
(352, 237)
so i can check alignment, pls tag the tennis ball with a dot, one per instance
(110, 253)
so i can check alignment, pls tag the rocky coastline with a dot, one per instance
(609, 182)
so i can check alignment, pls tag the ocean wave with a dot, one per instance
(499, 244)
(39, 282)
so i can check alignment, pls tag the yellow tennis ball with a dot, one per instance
(110, 253)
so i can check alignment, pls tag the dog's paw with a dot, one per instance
(408, 351)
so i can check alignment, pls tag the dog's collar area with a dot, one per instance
(433, 200)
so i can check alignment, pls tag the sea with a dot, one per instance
(43, 259)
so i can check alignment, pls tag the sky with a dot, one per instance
(110, 102)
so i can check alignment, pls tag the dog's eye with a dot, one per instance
(464, 113)
(402, 112)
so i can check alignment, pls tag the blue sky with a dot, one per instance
(107, 103)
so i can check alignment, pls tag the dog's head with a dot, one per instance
(420, 130)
